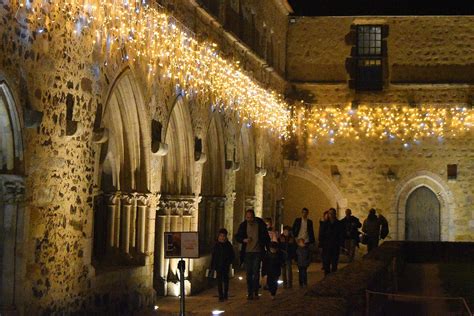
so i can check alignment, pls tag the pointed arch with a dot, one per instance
(213, 172)
(178, 164)
(125, 156)
(445, 197)
(11, 141)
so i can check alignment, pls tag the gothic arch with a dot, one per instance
(122, 130)
(13, 214)
(124, 156)
(11, 141)
(213, 171)
(433, 182)
(211, 207)
(323, 182)
(178, 164)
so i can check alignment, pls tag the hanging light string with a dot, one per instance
(142, 32)
(379, 121)
(139, 31)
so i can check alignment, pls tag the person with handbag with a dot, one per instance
(222, 257)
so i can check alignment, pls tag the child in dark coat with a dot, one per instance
(303, 258)
(272, 263)
(288, 247)
(222, 257)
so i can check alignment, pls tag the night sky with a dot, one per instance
(381, 7)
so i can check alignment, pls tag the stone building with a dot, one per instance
(98, 158)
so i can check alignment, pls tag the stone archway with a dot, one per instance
(121, 207)
(323, 182)
(178, 203)
(245, 176)
(211, 207)
(13, 216)
(439, 187)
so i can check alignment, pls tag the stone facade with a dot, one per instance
(85, 194)
(87, 230)
(428, 61)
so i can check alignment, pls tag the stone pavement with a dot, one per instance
(206, 302)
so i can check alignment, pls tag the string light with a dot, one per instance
(142, 32)
(385, 122)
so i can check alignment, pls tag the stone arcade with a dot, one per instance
(98, 157)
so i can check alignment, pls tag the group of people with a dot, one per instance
(263, 246)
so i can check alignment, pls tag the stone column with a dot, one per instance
(259, 174)
(128, 201)
(11, 196)
(113, 221)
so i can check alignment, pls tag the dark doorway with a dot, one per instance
(422, 222)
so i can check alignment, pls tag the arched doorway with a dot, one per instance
(121, 132)
(438, 187)
(12, 212)
(211, 207)
(422, 216)
(177, 209)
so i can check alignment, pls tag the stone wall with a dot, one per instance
(68, 79)
(419, 49)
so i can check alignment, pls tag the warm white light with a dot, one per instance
(280, 282)
(156, 307)
(240, 278)
(217, 312)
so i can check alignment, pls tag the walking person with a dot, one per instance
(331, 239)
(288, 248)
(351, 225)
(303, 227)
(375, 228)
(303, 259)
(271, 267)
(272, 232)
(222, 257)
(253, 236)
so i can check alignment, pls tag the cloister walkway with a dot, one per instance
(206, 302)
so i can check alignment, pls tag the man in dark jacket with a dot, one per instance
(253, 236)
(303, 227)
(375, 228)
(351, 225)
(331, 238)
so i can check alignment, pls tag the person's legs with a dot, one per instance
(272, 282)
(300, 276)
(305, 276)
(256, 272)
(225, 281)
(326, 261)
(219, 278)
(284, 275)
(334, 259)
(349, 244)
(249, 258)
(289, 273)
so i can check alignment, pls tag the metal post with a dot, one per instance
(181, 268)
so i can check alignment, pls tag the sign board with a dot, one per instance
(181, 245)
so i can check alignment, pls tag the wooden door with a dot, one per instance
(422, 218)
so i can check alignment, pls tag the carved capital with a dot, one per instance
(178, 205)
(129, 198)
(12, 189)
(113, 198)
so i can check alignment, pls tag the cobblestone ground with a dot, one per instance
(207, 301)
